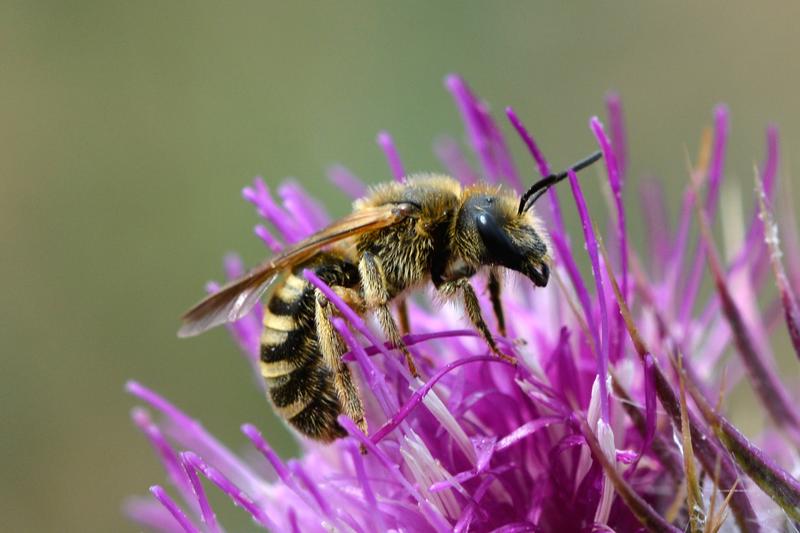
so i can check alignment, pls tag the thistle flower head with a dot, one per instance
(611, 419)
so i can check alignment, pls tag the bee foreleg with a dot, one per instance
(332, 348)
(473, 309)
(497, 305)
(376, 296)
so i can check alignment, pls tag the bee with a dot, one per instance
(399, 237)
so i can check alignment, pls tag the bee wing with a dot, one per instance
(237, 298)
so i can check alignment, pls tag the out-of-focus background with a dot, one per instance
(129, 128)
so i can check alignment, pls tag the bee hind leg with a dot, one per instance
(332, 347)
(376, 297)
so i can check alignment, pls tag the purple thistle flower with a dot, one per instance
(611, 419)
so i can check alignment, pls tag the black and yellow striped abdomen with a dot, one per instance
(300, 384)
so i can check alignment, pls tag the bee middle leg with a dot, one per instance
(497, 305)
(332, 348)
(473, 309)
(376, 296)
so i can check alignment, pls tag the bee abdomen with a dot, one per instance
(306, 399)
(300, 386)
(288, 328)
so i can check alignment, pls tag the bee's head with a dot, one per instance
(497, 228)
(496, 234)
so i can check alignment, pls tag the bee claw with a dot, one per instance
(411, 366)
(509, 359)
(504, 357)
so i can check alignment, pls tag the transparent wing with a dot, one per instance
(228, 304)
(234, 300)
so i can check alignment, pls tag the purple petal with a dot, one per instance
(791, 309)
(654, 215)
(169, 504)
(168, 456)
(618, 137)
(612, 169)
(526, 430)
(282, 471)
(375, 378)
(792, 243)
(466, 517)
(568, 379)
(261, 198)
(591, 244)
(544, 168)
(753, 243)
(527, 138)
(206, 512)
(502, 153)
(351, 316)
(386, 143)
(267, 238)
(715, 171)
(466, 104)
(366, 485)
(662, 447)
(411, 340)
(680, 246)
(306, 211)
(709, 453)
(615, 180)
(453, 159)
(262, 446)
(236, 494)
(775, 398)
(420, 393)
(322, 504)
(779, 484)
(707, 450)
(433, 515)
(650, 402)
(152, 514)
(293, 521)
(347, 181)
(483, 134)
(565, 257)
(191, 434)
(643, 511)
(712, 199)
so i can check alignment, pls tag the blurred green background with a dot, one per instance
(129, 128)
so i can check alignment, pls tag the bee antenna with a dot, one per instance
(541, 186)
